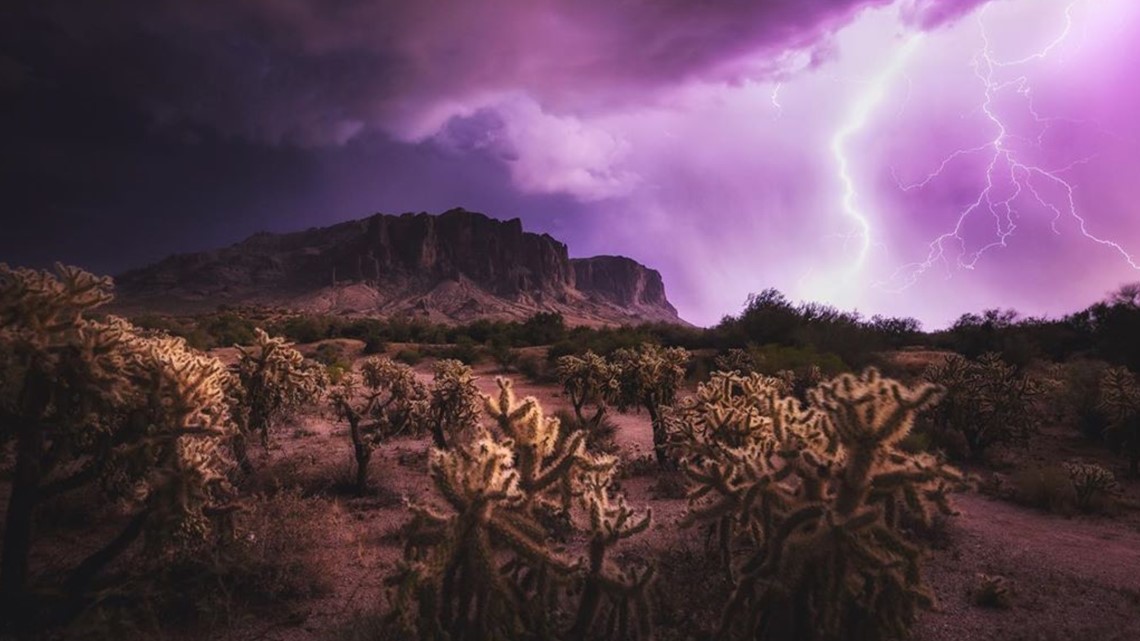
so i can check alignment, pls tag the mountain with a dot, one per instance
(454, 267)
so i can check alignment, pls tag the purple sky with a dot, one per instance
(920, 157)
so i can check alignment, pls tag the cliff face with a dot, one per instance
(456, 266)
(621, 281)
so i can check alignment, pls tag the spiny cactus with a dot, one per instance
(1119, 402)
(1090, 480)
(649, 378)
(986, 402)
(455, 402)
(272, 379)
(385, 399)
(544, 455)
(589, 380)
(811, 504)
(100, 403)
(484, 568)
(735, 360)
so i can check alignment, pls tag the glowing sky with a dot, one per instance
(920, 157)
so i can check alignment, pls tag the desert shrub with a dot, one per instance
(136, 419)
(735, 360)
(1093, 485)
(1119, 403)
(649, 377)
(1080, 395)
(454, 404)
(987, 402)
(505, 357)
(464, 350)
(409, 357)
(810, 505)
(386, 399)
(272, 380)
(226, 329)
(537, 369)
(484, 570)
(306, 329)
(265, 564)
(1045, 487)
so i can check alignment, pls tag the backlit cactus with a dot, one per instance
(99, 403)
(455, 402)
(810, 504)
(589, 380)
(1089, 481)
(484, 568)
(385, 399)
(649, 378)
(272, 379)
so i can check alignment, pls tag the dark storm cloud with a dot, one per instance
(316, 72)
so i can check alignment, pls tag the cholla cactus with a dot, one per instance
(815, 499)
(455, 402)
(384, 400)
(272, 379)
(97, 403)
(1120, 403)
(1090, 480)
(588, 380)
(544, 456)
(735, 360)
(649, 377)
(986, 401)
(484, 569)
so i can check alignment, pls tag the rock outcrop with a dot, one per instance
(456, 266)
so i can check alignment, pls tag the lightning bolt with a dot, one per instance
(856, 121)
(776, 99)
(1004, 166)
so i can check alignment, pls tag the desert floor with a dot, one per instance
(1073, 577)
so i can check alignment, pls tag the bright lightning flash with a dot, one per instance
(856, 121)
(1005, 166)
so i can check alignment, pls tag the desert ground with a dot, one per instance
(1070, 576)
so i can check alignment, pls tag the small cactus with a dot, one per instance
(384, 400)
(1119, 402)
(272, 379)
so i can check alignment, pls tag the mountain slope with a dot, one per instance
(454, 267)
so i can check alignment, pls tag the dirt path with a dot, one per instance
(1073, 579)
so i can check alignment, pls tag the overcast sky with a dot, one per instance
(919, 157)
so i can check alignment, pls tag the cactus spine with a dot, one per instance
(813, 501)
(485, 570)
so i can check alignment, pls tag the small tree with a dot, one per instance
(648, 378)
(1120, 404)
(384, 400)
(99, 403)
(589, 380)
(455, 401)
(272, 380)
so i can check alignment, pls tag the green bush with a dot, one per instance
(1046, 487)
(409, 357)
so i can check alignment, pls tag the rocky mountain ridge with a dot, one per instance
(454, 267)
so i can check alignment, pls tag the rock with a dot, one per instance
(456, 266)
